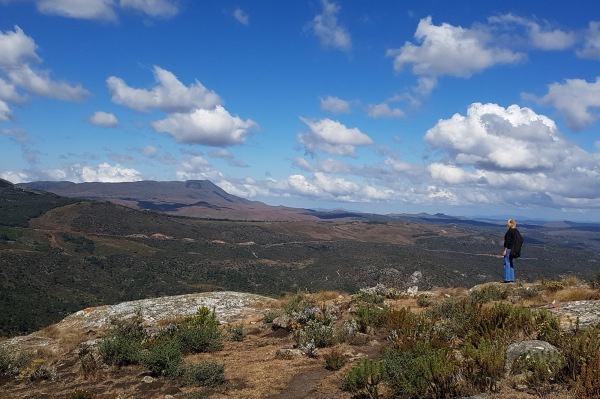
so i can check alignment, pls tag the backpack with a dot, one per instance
(515, 251)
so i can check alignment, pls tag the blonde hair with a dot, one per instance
(511, 223)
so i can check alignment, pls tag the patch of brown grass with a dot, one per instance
(577, 294)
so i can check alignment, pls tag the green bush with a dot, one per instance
(120, 350)
(484, 363)
(200, 333)
(364, 377)
(206, 374)
(122, 344)
(422, 371)
(163, 358)
(271, 315)
(489, 293)
(334, 360)
(236, 332)
(321, 335)
(11, 363)
(370, 315)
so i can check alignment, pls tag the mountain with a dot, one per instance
(193, 198)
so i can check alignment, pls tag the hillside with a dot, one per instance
(483, 335)
(90, 253)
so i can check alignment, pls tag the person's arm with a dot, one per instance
(507, 241)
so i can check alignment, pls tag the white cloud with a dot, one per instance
(88, 9)
(591, 46)
(8, 92)
(541, 37)
(326, 27)
(335, 105)
(198, 168)
(153, 8)
(104, 119)
(241, 16)
(41, 84)
(14, 177)
(506, 139)
(332, 137)
(16, 51)
(450, 50)
(104, 172)
(510, 155)
(16, 48)
(106, 10)
(169, 96)
(5, 112)
(575, 100)
(212, 127)
(383, 110)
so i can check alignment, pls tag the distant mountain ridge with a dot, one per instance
(193, 198)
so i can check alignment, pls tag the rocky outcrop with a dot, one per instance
(228, 306)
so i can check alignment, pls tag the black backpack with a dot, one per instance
(515, 251)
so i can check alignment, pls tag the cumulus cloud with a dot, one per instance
(591, 46)
(450, 50)
(332, 137)
(326, 28)
(576, 100)
(17, 51)
(198, 168)
(103, 172)
(495, 154)
(103, 119)
(169, 96)
(335, 105)
(241, 16)
(212, 127)
(16, 48)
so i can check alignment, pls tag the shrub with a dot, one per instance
(163, 358)
(205, 374)
(553, 286)
(321, 335)
(489, 293)
(271, 315)
(334, 360)
(422, 371)
(236, 332)
(120, 350)
(199, 333)
(370, 315)
(298, 303)
(12, 363)
(484, 363)
(364, 376)
(424, 301)
(122, 344)
(581, 350)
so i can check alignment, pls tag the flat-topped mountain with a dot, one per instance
(194, 198)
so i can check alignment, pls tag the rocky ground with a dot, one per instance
(256, 367)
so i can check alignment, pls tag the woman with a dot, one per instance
(509, 239)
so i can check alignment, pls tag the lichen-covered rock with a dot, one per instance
(524, 348)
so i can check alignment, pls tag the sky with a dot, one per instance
(469, 108)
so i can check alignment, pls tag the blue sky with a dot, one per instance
(463, 107)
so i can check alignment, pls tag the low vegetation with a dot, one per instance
(454, 346)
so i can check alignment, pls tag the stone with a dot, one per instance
(287, 353)
(524, 348)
